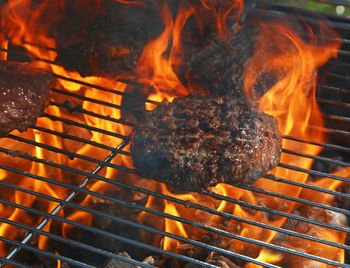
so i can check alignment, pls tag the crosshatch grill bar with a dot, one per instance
(199, 207)
(289, 232)
(297, 233)
(59, 207)
(294, 199)
(14, 263)
(50, 163)
(126, 240)
(165, 233)
(102, 164)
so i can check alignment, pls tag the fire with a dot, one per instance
(221, 12)
(291, 100)
(157, 70)
(22, 25)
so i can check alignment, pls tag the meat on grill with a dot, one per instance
(198, 141)
(24, 93)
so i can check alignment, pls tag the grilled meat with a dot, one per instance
(218, 66)
(24, 93)
(198, 141)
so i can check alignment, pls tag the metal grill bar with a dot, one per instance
(123, 203)
(75, 138)
(294, 199)
(320, 158)
(121, 93)
(83, 111)
(120, 238)
(274, 178)
(14, 263)
(74, 243)
(39, 251)
(75, 155)
(314, 172)
(326, 145)
(334, 89)
(209, 228)
(95, 212)
(80, 97)
(276, 212)
(72, 155)
(73, 123)
(332, 102)
(171, 198)
(130, 171)
(59, 207)
(338, 76)
(126, 139)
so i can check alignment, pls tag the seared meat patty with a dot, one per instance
(24, 93)
(198, 141)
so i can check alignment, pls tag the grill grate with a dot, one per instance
(73, 191)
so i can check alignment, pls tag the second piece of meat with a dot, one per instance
(24, 93)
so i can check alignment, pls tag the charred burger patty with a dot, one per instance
(24, 93)
(198, 141)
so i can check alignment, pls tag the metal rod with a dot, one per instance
(337, 117)
(276, 212)
(84, 111)
(204, 245)
(70, 122)
(313, 172)
(157, 194)
(303, 185)
(326, 145)
(117, 237)
(81, 97)
(104, 89)
(72, 155)
(74, 243)
(332, 88)
(320, 158)
(81, 140)
(293, 199)
(69, 197)
(335, 103)
(14, 263)
(129, 205)
(43, 252)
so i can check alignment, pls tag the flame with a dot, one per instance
(3, 45)
(221, 12)
(291, 100)
(129, 2)
(156, 69)
(22, 25)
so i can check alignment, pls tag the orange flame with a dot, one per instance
(291, 100)
(221, 12)
(22, 24)
(157, 70)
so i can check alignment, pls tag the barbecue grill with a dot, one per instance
(333, 96)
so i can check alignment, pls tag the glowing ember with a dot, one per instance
(291, 100)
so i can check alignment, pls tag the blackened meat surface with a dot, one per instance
(218, 66)
(198, 141)
(24, 93)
